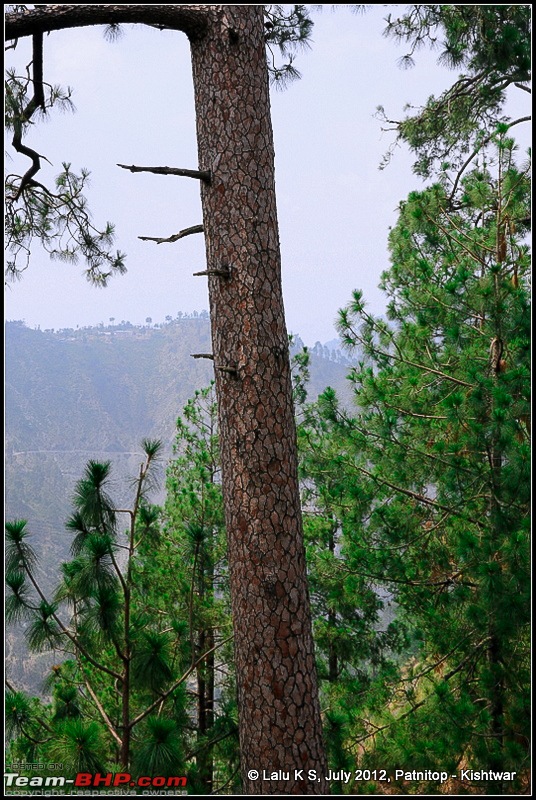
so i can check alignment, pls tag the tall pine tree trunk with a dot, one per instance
(279, 715)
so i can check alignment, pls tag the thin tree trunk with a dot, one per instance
(496, 524)
(124, 755)
(279, 715)
(205, 710)
(496, 709)
(205, 675)
(333, 663)
(496, 590)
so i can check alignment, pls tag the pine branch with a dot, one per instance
(415, 496)
(400, 357)
(190, 19)
(209, 744)
(224, 272)
(175, 237)
(423, 367)
(378, 729)
(37, 101)
(448, 581)
(102, 712)
(426, 533)
(442, 660)
(31, 738)
(39, 720)
(482, 144)
(408, 413)
(201, 175)
(72, 637)
(177, 683)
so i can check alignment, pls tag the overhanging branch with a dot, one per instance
(191, 20)
(37, 101)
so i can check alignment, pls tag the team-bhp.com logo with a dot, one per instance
(97, 780)
(125, 779)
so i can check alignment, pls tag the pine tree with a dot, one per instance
(433, 473)
(492, 45)
(356, 635)
(119, 687)
(195, 552)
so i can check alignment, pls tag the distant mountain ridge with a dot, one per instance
(95, 393)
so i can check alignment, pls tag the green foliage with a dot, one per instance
(18, 600)
(134, 636)
(492, 45)
(356, 636)
(18, 713)
(124, 662)
(66, 703)
(92, 501)
(415, 505)
(426, 486)
(19, 553)
(151, 663)
(59, 219)
(490, 38)
(95, 392)
(43, 633)
(288, 28)
(301, 375)
(196, 552)
(78, 746)
(159, 751)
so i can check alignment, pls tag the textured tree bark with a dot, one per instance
(279, 715)
(189, 19)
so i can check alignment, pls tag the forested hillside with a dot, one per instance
(95, 393)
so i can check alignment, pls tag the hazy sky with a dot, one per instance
(134, 104)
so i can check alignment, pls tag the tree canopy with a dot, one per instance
(491, 44)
